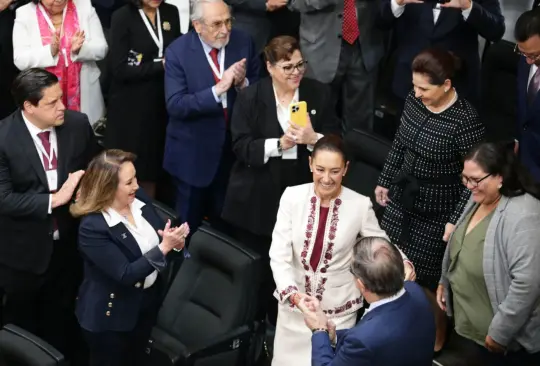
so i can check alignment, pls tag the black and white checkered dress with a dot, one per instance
(428, 150)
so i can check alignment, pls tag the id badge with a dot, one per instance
(52, 179)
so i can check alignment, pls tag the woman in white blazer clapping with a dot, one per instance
(66, 38)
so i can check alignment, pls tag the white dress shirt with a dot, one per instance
(398, 10)
(532, 71)
(34, 131)
(143, 232)
(283, 114)
(386, 300)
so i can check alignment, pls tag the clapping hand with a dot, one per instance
(302, 135)
(405, 2)
(458, 4)
(227, 80)
(77, 41)
(4, 4)
(273, 5)
(173, 237)
(239, 70)
(55, 43)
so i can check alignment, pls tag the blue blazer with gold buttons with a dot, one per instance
(111, 293)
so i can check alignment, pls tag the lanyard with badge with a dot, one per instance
(53, 29)
(219, 73)
(158, 40)
(52, 176)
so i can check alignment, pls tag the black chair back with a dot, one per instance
(209, 312)
(368, 154)
(21, 348)
(499, 91)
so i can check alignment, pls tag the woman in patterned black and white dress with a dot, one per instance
(420, 184)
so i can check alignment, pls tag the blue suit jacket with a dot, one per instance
(197, 128)
(415, 31)
(399, 333)
(111, 294)
(528, 123)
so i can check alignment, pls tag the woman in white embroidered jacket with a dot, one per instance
(317, 226)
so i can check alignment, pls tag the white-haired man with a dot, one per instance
(203, 72)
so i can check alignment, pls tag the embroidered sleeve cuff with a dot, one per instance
(287, 293)
(466, 12)
(319, 136)
(270, 149)
(397, 10)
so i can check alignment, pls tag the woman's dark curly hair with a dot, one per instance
(498, 158)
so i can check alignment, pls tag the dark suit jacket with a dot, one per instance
(254, 189)
(399, 333)
(26, 240)
(197, 127)
(8, 71)
(416, 31)
(111, 294)
(528, 123)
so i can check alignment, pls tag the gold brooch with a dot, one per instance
(166, 26)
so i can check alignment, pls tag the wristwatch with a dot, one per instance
(319, 330)
(279, 147)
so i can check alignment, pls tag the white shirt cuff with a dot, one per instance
(216, 97)
(397, 10)
(319, 136)
(270, 149)
(467, 12)
(49, 210)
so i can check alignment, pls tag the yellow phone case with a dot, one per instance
(298, 113)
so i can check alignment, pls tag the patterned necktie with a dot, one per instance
(534, 85)
(350, 22)
(44, 137)
(214, 56)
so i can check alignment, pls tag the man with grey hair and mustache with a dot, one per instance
(397, 330)
(204, 71)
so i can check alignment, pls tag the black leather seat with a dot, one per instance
(499, 90)
(21, 348)
(208, 315)
(368, 153)
(175, 259)
(166, 213)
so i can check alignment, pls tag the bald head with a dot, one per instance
(378, 264)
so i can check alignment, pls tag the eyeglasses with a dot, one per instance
(471, 181)
(530, 57)
(289, 69)
(219, 24)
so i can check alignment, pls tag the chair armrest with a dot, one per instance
(35, 340)
(235, 339)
